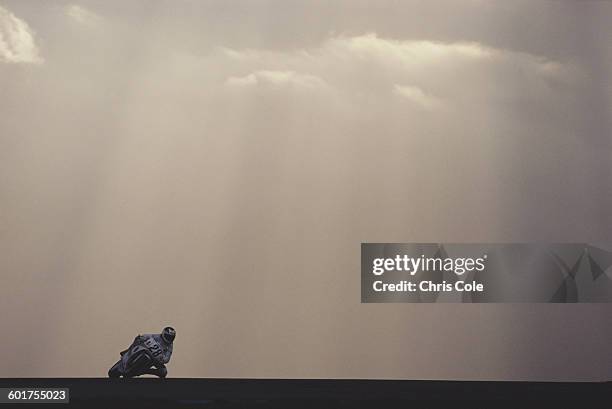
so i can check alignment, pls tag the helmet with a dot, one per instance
(168, 334)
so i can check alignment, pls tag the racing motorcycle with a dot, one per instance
(136, 360)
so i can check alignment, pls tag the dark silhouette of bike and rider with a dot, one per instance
(148, 354)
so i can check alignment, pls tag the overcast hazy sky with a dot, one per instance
(216, 164)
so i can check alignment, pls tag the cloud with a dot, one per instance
(82, 15)
(417, 96)
(428, 74)
(17, 43)
(370, 46)
(277, 78)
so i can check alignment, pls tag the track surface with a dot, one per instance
(316, 393)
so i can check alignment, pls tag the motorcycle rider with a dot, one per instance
(159, 349)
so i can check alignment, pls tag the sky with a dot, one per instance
(215, 165)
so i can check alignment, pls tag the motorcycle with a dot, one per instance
(136, 360)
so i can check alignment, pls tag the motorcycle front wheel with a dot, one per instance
(115, 371)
